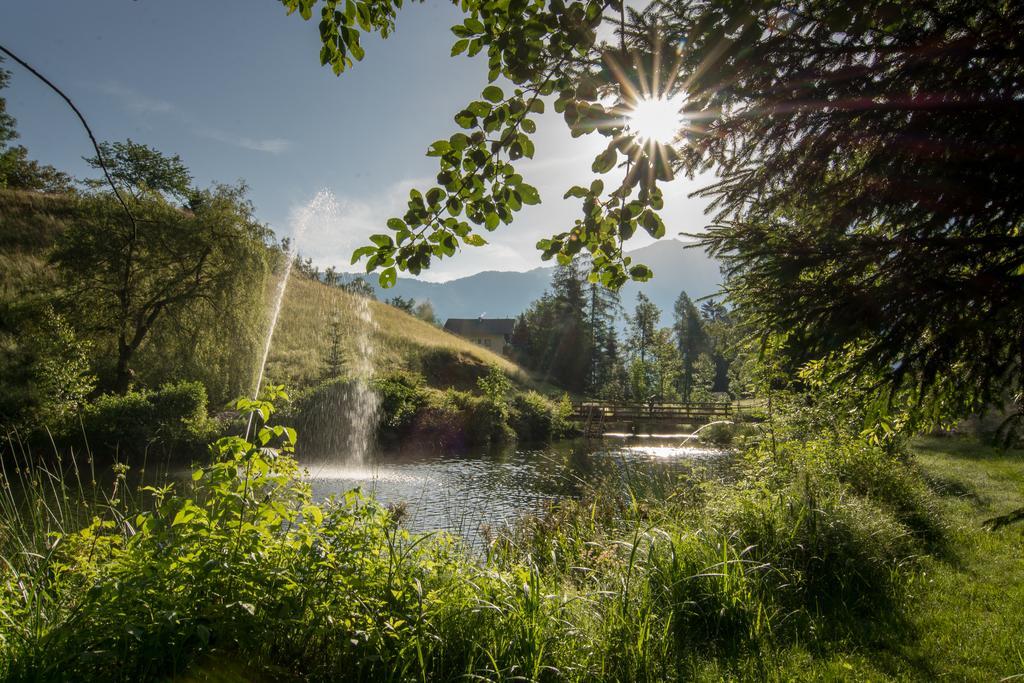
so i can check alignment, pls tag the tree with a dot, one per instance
(642, 327)
(869, 207)
(17, 171)
(46, 377)
(691, 340)
(122, 280)
(142, 170)
(402, 303)
(667, 366)
(334, 364)
(552, 335)
(424, 310)
(359, 287)
(603, 307)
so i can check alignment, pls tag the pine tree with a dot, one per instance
(335, 362)
(604, 306)
(691, 340)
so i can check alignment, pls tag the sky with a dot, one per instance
(235, 88)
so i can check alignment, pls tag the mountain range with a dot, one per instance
(506, 294)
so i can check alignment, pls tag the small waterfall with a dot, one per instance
(282, 285)
(690, 437)
(355, 416)
(364, 406)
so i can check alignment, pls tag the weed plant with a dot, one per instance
(238, 569)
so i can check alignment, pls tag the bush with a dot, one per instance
(402, 395)
(652, 583)
(44, 371)
(532, 417)
(173, 418)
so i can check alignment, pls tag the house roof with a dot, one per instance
(468, 327)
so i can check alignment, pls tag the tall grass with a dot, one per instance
(237, 567)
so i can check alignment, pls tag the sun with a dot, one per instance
(656, 119)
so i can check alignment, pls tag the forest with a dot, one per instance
(225, 460)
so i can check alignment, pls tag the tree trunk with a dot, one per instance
(123, 375)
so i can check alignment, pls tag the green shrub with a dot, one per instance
(402, 395)
(532, 417)
(44, 369)
(172, 418)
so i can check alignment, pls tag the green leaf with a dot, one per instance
(475, 240)
(459, 47)
(493, 93)
(641, 273)
(605, 161)
(382, 240)
(363, 252)
(313, 513)
(396, 224)
(388, 277)
(529, 194)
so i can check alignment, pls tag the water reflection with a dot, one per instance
(465, 494)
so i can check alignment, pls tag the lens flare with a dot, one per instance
(656, 119)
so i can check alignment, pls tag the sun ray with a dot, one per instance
(656, 119)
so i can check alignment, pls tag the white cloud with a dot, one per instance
(331, 233)
(269, 145)
(143, 104)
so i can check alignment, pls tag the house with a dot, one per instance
(491, 333)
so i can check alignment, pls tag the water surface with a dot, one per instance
(466, 494)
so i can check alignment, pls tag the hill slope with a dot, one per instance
(302, 340)
(31, 222)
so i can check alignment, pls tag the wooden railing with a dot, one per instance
(663, 412)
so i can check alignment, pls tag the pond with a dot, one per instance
(467, 494)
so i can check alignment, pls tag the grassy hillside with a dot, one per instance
(399, 340)
(30, 222)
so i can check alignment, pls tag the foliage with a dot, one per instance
(401, 303)
(792, 567)
(334, 364)
(192, 268)
(17, 171)
(142, 171)
(402, 395)
(890, 252)
(173, 417)
(359, 287)
(424, 310)
(844, 241)
(536, 419)
(45, 375)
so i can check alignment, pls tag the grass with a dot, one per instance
(968, 616)
(815, 567)
(400, 340)
(30, 222)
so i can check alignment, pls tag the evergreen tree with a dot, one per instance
(642, 326)
(335, 362)
(691, 340)
(603, 309)
(666, 367)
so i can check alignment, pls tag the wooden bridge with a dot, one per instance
(597, 417)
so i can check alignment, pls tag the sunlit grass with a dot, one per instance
(302, 338)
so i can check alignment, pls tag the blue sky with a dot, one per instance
(235, 87)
